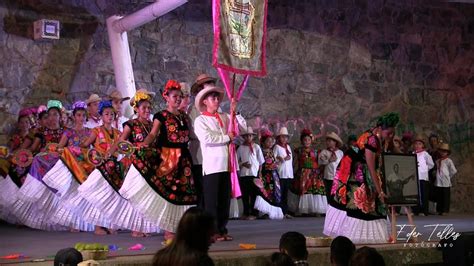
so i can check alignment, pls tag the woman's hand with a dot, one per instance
(382, 196)
(141, 145)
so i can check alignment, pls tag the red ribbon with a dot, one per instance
(250, 147)
(215, 115)
(286, 148)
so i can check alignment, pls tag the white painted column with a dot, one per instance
(117, 28)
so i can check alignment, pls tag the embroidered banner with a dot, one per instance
(240, 28)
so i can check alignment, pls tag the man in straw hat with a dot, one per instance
(445, 172)
(250, 159)
(203, 80)
(284, 155)
(425, 163)
(117, 100)
(211, 128)
(93, 117)
(330, 157)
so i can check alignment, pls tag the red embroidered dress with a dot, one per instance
(308, 175)
(172, 179)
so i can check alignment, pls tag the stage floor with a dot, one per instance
(265, 234)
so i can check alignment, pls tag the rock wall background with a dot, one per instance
(332, 65)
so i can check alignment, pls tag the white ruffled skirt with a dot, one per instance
(8, 196)
(98, 192)
(312, 203)
(334, 222)
(151, 205)
(263, 206)
(35, 205)
(72, 209)
(366, 232)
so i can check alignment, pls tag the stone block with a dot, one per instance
(175, 65)
(365, 90)
(359, 54)
(311, 83)
(415, 96)
(348, 84)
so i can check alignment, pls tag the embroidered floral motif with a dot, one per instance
(363, 201)
(269, 183)
(173, 178)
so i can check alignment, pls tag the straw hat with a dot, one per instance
(444, 147)
(249, 131)
(198, 102)
(93, 98)
(141, 91)
(116, 95)
(420, 137)
(334, 136)
(201, 79)
(283, 132)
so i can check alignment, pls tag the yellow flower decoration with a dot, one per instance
(140, 96)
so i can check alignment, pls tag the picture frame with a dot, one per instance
(401, 179)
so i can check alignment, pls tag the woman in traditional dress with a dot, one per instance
(308, 184)
(163, 192)
(358, 210)
(9, 187)
(102, 186)
(36, 202)
(268, 198)
(73, 164)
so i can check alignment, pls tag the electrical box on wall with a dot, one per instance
(46, 29)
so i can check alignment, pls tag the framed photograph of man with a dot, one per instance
(401, 179)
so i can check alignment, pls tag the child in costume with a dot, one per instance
(268, 198)
(284, 155)
(444, 173)
(117, 99)
(330, 158)
(308, 183)
(425, 163)
(211, 128)
(250, 159)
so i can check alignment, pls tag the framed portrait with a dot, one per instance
(401, 179)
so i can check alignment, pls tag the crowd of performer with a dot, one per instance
(93, 169)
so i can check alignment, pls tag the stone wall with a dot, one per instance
(332, 65)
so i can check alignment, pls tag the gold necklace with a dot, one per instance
(108, 132)
(144, 127)
(177, 116)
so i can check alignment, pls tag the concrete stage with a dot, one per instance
(264, 233)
